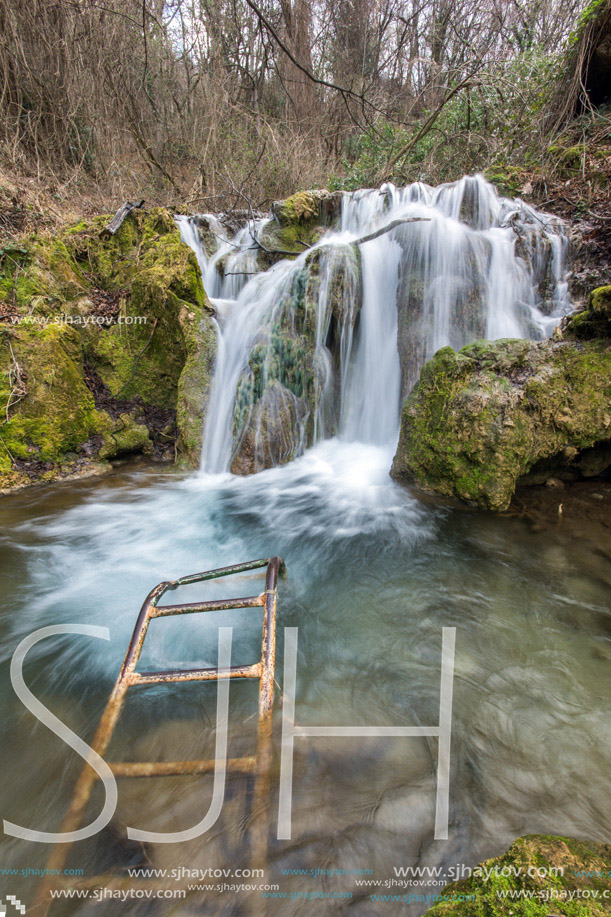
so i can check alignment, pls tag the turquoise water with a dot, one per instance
(374, 573)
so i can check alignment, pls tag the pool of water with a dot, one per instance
(374, 574)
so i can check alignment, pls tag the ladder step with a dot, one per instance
(179, 768)
(251, 601)
(176, 675)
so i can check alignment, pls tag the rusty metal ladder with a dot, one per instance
(129, 678)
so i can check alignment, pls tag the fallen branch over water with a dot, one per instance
(392, 225)
(368, 238)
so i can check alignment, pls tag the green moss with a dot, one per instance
(481, 419)
(39, 276)
(194, 382)
(274, 432)
(145, 356)
(595, 321)
(57, 414)
(285, 241)
(300, 208)
(298, 223)
(508, 179)
(599, 300)
(123, 437)
(544, 873)
(568, 160)
(159, 355)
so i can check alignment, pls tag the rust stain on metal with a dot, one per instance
(128, 678)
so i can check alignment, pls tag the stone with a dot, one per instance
(595, 321)
(88, 389)
(274, 432)
(481, 419)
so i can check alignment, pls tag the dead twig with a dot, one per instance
(17, 379)
(124, 210)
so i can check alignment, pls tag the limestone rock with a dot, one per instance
(482, 418)
(274, 433)
(595, 321)
(107, 335)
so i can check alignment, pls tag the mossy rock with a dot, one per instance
(157, 357)
(274, 432)
(58, 412)
(39, 276)
(194, 382)
(595, 321)
(540, 875)
(481, 419)
(322, 208)
(507, 179)
(280, 241)
(162, 353)
(567, 159)
(124, 436)
(298, 223)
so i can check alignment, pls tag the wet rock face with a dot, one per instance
(422, 285)
(481, 419)
(274, 433)
(207, 233)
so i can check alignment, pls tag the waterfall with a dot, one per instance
(374, 387)
(330, 342)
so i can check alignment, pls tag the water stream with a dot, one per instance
(458, 263)
(374, 573)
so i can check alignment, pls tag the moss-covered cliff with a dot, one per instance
(483, 418)
(106, 348)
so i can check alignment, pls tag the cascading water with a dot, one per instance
(331, 341)
(297, 362)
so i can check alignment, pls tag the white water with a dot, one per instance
(373, 576)
(466, 264)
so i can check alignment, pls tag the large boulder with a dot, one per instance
(296, 224)
(539, 876)
(482, 419)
